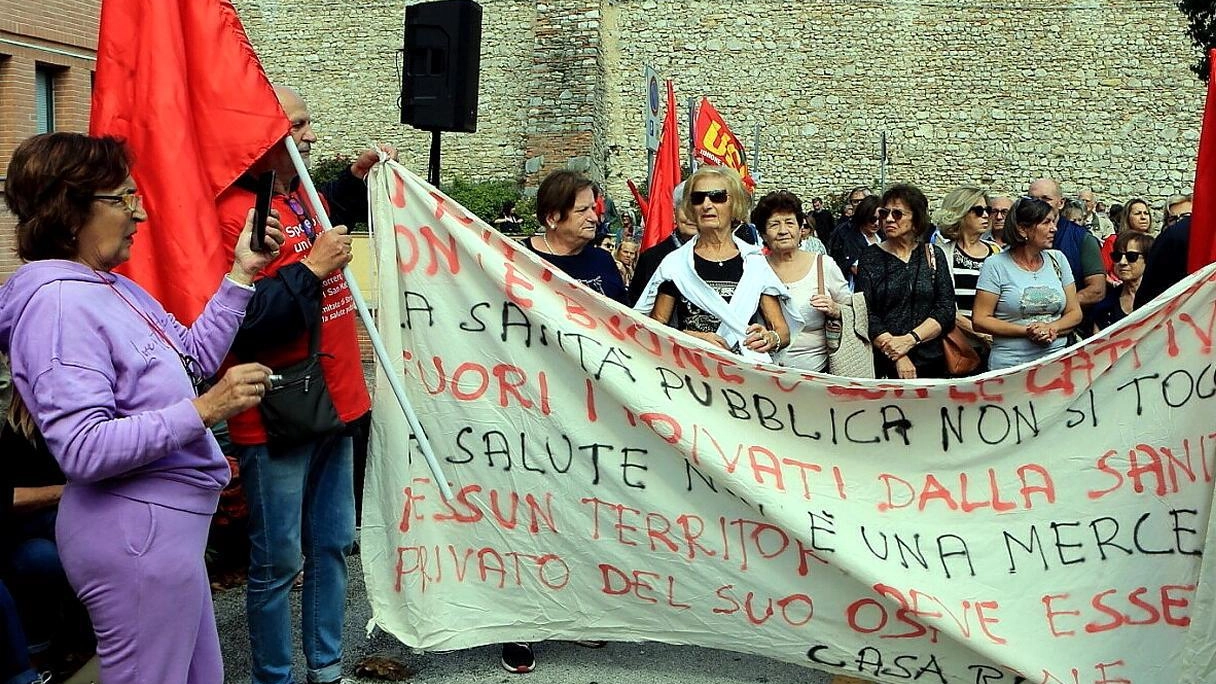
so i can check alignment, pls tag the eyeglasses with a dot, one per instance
(130, 199)
(979, 210)
(897, 214)
(1171, 219)
(1000, 213)
(855, 200)
(1132, 257)
(715, 196)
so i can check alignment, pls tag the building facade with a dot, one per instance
(47, 56)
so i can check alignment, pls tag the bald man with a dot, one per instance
(299, 485)
(1078, 245)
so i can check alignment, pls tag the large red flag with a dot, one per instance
(660, 207)
(716, 145)
(1203, 210)
(180, 82)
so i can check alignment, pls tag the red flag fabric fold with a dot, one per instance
(716, 145)
(660, 209)
(1203, 210)
(179, 81)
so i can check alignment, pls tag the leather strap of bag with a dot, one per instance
(819, 268)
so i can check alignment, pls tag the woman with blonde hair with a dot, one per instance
(721, 287)
(1137, 218)
(963, 222)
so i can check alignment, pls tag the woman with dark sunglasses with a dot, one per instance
(962, 221)
(1025, 296)
(721, 288)
(908, 290)
(1130, 256)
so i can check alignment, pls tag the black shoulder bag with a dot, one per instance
(298, 407)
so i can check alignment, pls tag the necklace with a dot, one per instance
(545, 236)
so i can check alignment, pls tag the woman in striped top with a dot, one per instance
(962, 220)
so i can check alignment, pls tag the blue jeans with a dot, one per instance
(301, 502)
(14, 659)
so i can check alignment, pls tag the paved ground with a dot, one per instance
(557, 662)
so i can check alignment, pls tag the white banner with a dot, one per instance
(618, 480)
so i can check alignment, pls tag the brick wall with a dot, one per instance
(60, 35)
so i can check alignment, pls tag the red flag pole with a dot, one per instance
(1203, 211)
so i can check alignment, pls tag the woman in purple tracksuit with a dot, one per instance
(110, 379)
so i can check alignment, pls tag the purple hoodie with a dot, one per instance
(112, 400)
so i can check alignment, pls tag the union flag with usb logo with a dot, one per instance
(715, 144)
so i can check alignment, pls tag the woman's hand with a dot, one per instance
(825, 305)
(904, 368)
(1042, 333)
(897, 346)
(712, 338)
(249, 263)
(242, 387)
(761, 339)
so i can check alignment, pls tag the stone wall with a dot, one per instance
(1094, 92)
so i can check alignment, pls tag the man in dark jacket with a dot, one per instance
(1166, 262)
(648, 262)
(301, 488)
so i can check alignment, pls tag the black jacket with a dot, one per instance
(288, 304)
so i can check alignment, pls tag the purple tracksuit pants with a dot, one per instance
(138, 568)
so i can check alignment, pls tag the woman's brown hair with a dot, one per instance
(50, 186)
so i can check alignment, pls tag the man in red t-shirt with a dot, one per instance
(300, 492)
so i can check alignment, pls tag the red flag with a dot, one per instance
(716, 145)
(637, 196)
(660, 209)
(179, 81)
(1203, 210)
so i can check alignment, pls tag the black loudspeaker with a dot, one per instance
(442, 66)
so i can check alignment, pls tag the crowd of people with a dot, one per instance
(1001, 280)
(115, 469)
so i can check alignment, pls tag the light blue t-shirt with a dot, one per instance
(1024, 297)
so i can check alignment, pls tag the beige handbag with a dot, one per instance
(854, 358)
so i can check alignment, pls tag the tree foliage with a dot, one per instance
(485, 199)
(1201, 25)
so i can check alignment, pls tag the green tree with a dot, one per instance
(1201, 25)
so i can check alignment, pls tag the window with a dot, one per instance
(44, 99)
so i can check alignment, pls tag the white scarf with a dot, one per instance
(758, 279)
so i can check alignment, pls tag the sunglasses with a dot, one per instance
(1132, 257)
(715, 196)
(897, 214)
(129, 198)
(1175, 218)
(979, 210)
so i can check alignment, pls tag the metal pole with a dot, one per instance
(432, 175)
(882, 164)
(692, 131)
(424, 444)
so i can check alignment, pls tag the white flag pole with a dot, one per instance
(424, 444)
